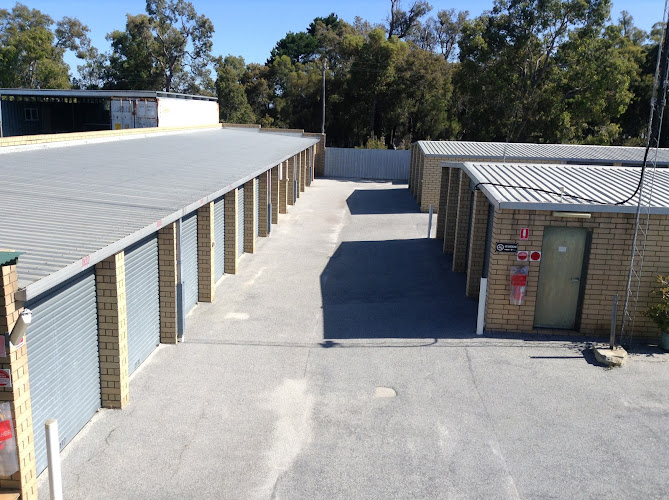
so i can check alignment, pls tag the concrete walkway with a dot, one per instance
(340, 363)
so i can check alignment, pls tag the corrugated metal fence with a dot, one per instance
(367, 163)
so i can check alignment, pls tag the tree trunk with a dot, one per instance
(372, 117)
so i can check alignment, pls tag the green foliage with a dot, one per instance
(233, 104)
(659, 313)
(31, 49)
(131, 65)
(374, 143)
(526, 70)
(167, 49)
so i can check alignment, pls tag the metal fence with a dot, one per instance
(367, 163)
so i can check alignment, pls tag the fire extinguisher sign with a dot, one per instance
(525, 233)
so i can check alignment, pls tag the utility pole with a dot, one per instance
(323, 99)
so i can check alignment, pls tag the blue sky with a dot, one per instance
(250, 28)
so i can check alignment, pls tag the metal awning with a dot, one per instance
(537, 153)
(587, 188)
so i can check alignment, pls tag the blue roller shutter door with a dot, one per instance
(189, 260)
(240, 220)
(142, 300)
(219, 235)
(256, 207)
(63, 361)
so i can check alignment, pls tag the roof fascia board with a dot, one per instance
(103, 94)
(568, 207)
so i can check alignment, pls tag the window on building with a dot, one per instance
(31, 114)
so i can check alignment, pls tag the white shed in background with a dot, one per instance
(140, 112)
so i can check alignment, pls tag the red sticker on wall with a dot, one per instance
(5, 430)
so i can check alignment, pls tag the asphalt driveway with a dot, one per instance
(341, 363)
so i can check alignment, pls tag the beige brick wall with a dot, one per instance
(443, 196)
(275, 194)
(450, 217)
(419, 183)
(205, 253)
(431, 187)
(607, 268)
(298, 174)
(262, 203)
(477, 247)
(461, 225)
(167, 269)
(112, 331)
(25, 480)
(249, 216)
(303, 170)
(283, 188)
(26, 140)
(230, 209)
(319, 154)
(292, 175)
(310, 165)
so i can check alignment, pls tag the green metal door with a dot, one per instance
(560, 276)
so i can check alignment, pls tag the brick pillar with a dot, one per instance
(167, 268)
(303, 166)
(276, 194)
(205, 253)
(461, 224)
(230, 208)
(249, 216)
(292, 175)
(283, 188)
(443, 197)
(431, 184)
(310, 165)
(419, 178)
(298, 174)
(449, 217)
(112, 331)
(477, 240)
(25, 480)
(262, 204)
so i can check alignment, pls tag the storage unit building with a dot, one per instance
(425, 173)
(120, 240)
(36, 111)
(575, 246)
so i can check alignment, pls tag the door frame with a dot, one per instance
(581, 285)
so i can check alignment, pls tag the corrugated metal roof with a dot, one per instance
(605, 185)
(539, 152)
(101, 93)
(89, 201)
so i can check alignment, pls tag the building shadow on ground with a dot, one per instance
(394, 289)
(381, 201)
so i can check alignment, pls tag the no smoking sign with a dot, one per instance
(5, 378)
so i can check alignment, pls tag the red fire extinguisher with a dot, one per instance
(518, 284)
